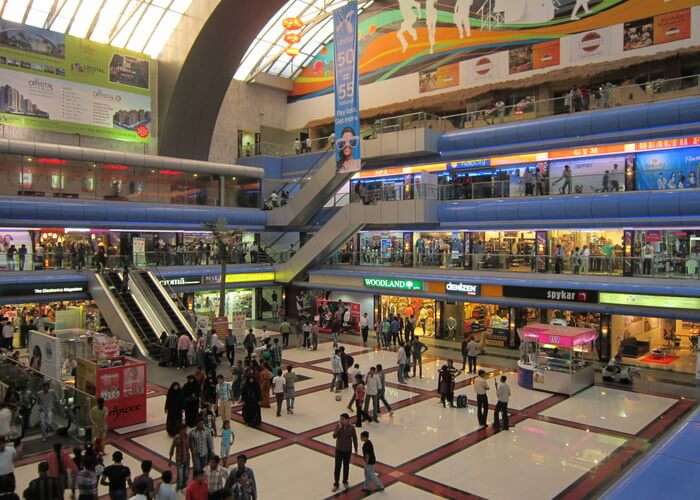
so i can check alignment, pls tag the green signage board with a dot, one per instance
(665, 301)
(50, 81)
(393, 283)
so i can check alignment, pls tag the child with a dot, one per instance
(369, 460)
(209, 418)
(227, 438)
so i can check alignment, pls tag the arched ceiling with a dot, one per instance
(187, 128)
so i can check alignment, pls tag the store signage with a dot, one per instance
(250, 277)
(461, 287)
(29, 289)
(665, 301)
(181, 281)
(394, 283)
(554, 294)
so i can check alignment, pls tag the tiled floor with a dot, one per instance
(155, 416)
(534, 460)
(425, 451)
(614, 409)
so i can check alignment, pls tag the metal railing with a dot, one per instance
(657, 266)
(78, 262)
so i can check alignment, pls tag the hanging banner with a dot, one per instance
(347, 101)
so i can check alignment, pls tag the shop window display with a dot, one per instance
(488, 323)
(601, 251)
(238, 301)
(424, 311)
(667, 252)
(655, 342)
(438, 249)
(511, 250)
(381, 248)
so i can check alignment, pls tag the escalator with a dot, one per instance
(323, 181)
(137, 319)
(167, 304)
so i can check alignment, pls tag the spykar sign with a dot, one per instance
(394, 283)
(460, 287)
(553, 294)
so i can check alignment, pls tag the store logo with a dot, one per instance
(460, 287)
(393, 283)
(590, 42)
(567, 295)
(483, 66)
(180, 281)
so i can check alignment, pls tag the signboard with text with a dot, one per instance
(347, 86)
(459, 287)
(554, 294)
(394, 283)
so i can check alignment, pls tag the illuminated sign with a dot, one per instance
(555, 294)
(181, 281)
(665, 301)
(394, 283)
(61, 289)
(250, 277)
(19, 290)
(461, 287)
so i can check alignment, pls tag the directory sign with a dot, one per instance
(347, 86)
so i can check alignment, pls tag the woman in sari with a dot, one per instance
(264, 380)
(191, 393)
(251, 402)
(174, 406)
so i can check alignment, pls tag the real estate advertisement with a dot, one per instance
(57, 82)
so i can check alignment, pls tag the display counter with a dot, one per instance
(552, 358)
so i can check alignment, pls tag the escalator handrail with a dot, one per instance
(122, 301)
(173, 296)
(301, 180)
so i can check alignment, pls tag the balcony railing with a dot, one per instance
(658, 266)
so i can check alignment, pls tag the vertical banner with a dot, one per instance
(347, 101)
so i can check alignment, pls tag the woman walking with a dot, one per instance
(251, 402)
(174, 406)
(264, 380)
(191, 393)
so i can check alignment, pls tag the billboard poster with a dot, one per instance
(672, 26)
(443, 77)
(674, 169)
(520, 59)
(347, 101)
(60, 83)
(589, 175)
(546, 54)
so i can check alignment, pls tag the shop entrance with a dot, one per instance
(424, 311)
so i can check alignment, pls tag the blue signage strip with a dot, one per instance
(347, 86)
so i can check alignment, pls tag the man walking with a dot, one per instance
(401, 360)
(364, 328)
(285, 330)
(278, 390)
(473, 349)
(370, 460)
(180, 446)
(418, 348)
(482, 399)
(117, 477)
(46, 400)
(501, 414)
(249, 342)
(381, 395)
(465, 352)
(372, 389)
(223, 398)
(337, 367)
(172, 347)
(201, 446)
(231, 347)
(345, 441)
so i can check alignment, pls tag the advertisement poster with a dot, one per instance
(57, 82)
(672, 26)
(134, 381)
(545, 55)
(520, 59)
(443, 77)
(674, 169)
(347, 86)
(589, 175)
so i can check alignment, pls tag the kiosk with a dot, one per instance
(552, 358)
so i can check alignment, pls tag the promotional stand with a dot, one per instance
(552, 358)
(121, 381)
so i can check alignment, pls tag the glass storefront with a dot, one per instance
(655, 342)
(382, 248)
(440, 249)
(667, 252)
(424, 311)
(601, 251)
(238, 301)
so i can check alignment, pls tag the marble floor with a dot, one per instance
(564, 446)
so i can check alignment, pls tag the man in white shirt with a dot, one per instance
(402, 360)
(8, 333)
(278, 390)
(372, 386)
(501, 413)
(8, 454)
(337, 367)
(482, 400)
(364, 328)
(473, 349)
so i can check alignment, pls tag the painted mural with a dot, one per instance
(399, 37)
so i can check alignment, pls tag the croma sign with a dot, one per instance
(393, 283)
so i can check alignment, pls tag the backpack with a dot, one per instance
(461, 401)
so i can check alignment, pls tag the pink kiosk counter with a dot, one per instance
(552, 358)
